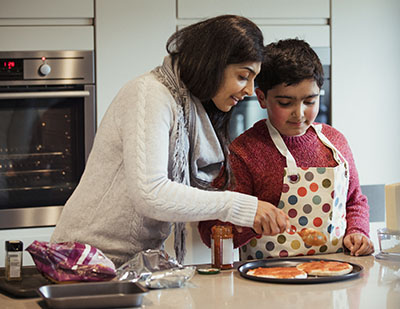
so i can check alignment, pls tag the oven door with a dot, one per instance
(46, 133)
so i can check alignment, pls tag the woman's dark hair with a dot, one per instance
(202, 52)
(289, 61)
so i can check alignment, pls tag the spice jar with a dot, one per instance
(14, 260)
(222, 246)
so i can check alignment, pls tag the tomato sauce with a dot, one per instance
(278, 272)
(324, 265)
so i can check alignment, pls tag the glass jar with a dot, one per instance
(222, 246)
(14, 260)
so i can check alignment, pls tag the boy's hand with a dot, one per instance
(358, 244)
(270, 220)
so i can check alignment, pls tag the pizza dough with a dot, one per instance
(325, 268)
(301, 271)
(278, 272)
(312, 237)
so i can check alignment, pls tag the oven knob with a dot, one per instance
(45, 69)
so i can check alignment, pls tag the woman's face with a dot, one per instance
(237, 82)
(291, 109)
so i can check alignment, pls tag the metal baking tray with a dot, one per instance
(291, 262)
(108, 294)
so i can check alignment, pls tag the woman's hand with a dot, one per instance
(358, 244)
(270, 220)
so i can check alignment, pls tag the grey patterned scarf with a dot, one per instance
(197, 154)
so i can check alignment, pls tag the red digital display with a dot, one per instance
(11, 69)
(9, 64)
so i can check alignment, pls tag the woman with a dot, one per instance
(164, 134)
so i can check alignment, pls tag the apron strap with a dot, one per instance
(281, 146)
(339, 158)
(290, 161)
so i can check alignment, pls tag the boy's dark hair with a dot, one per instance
(202, 52)
(289, 61)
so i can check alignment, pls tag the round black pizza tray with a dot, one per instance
(292, 262)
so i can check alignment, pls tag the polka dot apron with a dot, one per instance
(313, 197)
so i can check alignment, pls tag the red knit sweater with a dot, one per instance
(258, 168)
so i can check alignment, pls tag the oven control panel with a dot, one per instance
(46, 67)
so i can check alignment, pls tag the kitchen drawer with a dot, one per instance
(47, 38)
(316, 36)
(47, 9)
(193, 9)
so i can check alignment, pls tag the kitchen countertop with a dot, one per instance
(376, 287)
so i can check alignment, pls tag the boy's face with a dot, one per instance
(291, 109)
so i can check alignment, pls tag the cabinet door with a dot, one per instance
(254, 8)
(46, 38)
(130, 40)
(316, 36)
(46, 9)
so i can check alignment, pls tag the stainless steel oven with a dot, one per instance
(47, 127)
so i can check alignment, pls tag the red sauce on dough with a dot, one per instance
(278, 272)
(325, 265)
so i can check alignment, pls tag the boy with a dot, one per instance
(304, 168)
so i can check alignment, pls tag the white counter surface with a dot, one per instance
(376, 287)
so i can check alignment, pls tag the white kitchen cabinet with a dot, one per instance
(46, 9)
(303, 19)
(15, 38)
(365, 76)
(46, 25)
(316, 36)
(194, 9)
(130, 41)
